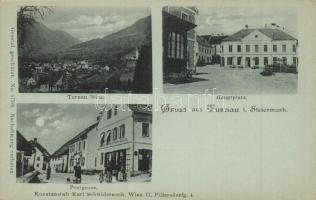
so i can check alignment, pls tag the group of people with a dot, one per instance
(107, 174)
(104, 176)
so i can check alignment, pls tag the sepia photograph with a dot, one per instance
(234, 50)
(82, 143)
(84, 49)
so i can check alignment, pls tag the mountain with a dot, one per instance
(40, 40)
(113, 46)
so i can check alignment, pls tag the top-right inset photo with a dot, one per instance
(237, 50)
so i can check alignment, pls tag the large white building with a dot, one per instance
(259, 47)
(124, 139)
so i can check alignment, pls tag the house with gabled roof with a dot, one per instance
(24, 151)
(40, 157)
(258, 48)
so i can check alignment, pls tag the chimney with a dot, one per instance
(246, 26)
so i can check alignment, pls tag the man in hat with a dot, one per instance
(77, 169)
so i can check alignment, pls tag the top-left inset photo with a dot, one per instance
(84, 49)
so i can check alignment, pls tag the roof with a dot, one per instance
(202, 41)
(64, 148)
(141, 108)
(23, 145)
(274, 34)
(37, 145)
(216, 39)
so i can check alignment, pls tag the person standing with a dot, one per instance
(77, 169)
(48, 172)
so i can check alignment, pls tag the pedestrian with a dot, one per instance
(77, 169)
(48, 172)
(109, 172)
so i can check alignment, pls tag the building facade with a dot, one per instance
(204, 51)
(257, 48)
(40, 157)
(78, 149)
(179, 40)
(124, 139)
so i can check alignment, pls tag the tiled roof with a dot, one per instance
(45, 153)
(202, 41)
(214, 39)
(274, 34)
(64, 148)
(143, 108)
(23, 145)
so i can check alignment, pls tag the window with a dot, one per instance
(115, 110)
(284, 60)
(275, 60)
(238, 60)
(229, 60)
(108, 139)
(265, 48)
(294, 61)
(122, 131)
(79, 148)
(37, 165)
(239, 48)
(102, 140)
(294, 48)
(101, 160)
(145, 130)
(109, 114)
(283, 48)
(114, 133)
(175, 45)
(256, 36)
(256, 48)
(95, 161)
(275, 49)
(222, 48)
(256, 60)
(265, 60)
(247, 48)
(230, 48)
(82, 161)
(38, 158)
(184, 16)
(83, 144)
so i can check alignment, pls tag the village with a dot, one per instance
(79, 76)
(253, 59)
(116, 148)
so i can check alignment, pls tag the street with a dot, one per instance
(235, 81)
(86, 179)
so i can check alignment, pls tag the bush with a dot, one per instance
(266, 72)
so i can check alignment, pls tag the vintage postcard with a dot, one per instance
(158, 100)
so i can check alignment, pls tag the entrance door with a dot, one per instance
(248, 62)
(144, 160)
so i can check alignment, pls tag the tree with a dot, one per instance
(143, 71)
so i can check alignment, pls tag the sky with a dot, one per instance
(229, 20)
(54, 124)
(86, 23)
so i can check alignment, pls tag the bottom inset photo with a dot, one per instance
(83, 143)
